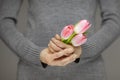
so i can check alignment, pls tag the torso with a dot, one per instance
(48, 17)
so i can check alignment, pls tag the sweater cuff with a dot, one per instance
(44, 65)
(77, 60)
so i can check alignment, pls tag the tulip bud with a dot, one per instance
(67, 32)
(82, 27)
(78, 40)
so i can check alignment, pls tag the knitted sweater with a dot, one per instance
(46, 18)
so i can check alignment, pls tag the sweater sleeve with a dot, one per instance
(109, 32)
(24, 48)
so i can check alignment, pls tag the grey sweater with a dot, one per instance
(48, 17)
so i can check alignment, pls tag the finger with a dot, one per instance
(51, 50)
(57, 37)
(58, 54)
(59, 43)
(66, 60)
(68, 51)
(62, 53)
(69, 59)
(54, 46)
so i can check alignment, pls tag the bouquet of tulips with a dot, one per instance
(75, 34)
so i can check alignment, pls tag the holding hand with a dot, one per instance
(58, 53)
(58, 58)
(56, 45)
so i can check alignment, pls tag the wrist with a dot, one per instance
(42, 56)
(42, 60)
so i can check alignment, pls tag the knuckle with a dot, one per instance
(68, 54)
(58, 42)
(61, 44)
(58, 49)
(71, 49)
(54, 40)
(57, 55)
(68, 51)
(51, 50)
(70, 59)
(53, 46)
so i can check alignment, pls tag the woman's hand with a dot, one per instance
(59, 53)
(58, 58)
(56, 45)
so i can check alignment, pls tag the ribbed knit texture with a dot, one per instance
(48, 17)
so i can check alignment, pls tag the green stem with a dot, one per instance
(64, 40)
(70, 38)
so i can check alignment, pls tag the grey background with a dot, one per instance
(8, 60)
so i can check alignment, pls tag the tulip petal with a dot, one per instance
(78, 40)
(85, 28)
(67, 31)
(82, 26)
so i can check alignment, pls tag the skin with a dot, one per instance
(58, 53)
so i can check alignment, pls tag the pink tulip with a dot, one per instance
(82, 27)
(78, 40)
(67, 32)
